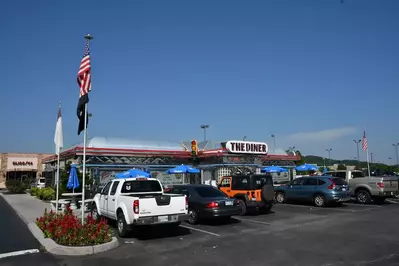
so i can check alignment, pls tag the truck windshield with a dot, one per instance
(141, 186)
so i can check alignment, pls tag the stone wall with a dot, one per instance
(4, 160)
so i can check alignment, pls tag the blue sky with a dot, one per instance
(314, 73)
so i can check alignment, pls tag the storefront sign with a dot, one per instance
(246, 147)
(21, 163)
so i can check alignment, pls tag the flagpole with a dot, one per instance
(368, 163)
(57, 179)
(88, 38)
(58, 174)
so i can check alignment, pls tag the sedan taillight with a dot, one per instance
(212, 205)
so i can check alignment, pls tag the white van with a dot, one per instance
(41, 182)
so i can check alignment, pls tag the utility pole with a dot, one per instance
(329, 155)
(396, 152)
(204, 127)
(371, 157)
(274, 142)
(357, 148)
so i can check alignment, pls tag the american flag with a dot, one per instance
(364, 144)
(84, 73)
(84, 82)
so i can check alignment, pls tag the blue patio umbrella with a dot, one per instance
(325, 170)
(73, 181)
(133, 173)
(273, 169)
(183, 169)
(306, 167)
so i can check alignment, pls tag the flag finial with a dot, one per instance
(89, 37)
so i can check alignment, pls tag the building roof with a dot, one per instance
(121, 143)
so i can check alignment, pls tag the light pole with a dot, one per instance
(204, 127)
(371, 157)
(357, 148)
(329, 155)
(274, 142)
(396, 152)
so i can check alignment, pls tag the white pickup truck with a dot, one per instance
(139, 201)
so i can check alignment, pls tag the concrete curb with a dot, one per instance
(56, 249)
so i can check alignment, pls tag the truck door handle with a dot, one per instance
(113, 199)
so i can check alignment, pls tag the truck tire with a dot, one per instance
(122, 227)
(363, 196)
(94, 213)
(243, 206)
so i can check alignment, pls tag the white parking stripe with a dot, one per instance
(362, 205)
(252, 221)
(295, 205)
(18, 253)
(199, 230)
(391, 201)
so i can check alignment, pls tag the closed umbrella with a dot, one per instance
(73, 181)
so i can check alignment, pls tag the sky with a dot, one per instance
(313, 73)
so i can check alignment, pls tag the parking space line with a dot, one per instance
(391, 201)
(18, 253)
(338, 209)
(199, 230)
(252, 221)
(294, 205)
(363, 205)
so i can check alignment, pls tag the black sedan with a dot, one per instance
(207, 202)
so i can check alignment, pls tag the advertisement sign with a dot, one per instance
(21, 163)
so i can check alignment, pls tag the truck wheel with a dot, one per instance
(363, 196)
(192, 216)
(94, 213)
(121, 224)
(243, 206)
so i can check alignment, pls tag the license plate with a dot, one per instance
(229, 203)
(162, 219)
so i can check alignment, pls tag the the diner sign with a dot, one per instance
(247, 147)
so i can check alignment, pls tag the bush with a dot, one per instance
(46, 193)
(16, 186)
(66, 229)
(33, 191)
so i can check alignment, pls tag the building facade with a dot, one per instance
(21, 166)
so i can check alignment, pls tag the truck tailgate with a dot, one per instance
(390, 184)
(162, 205)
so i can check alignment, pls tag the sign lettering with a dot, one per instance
(247, 147)
(26, 163)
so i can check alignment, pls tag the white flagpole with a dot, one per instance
(84, 166)
(57, 179)
(368, 163)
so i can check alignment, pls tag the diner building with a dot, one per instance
(21, 166)
(107, 156)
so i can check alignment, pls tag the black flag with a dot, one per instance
(81, 112)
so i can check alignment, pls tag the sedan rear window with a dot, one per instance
(339, 181)
(141, 186)
(209, 192)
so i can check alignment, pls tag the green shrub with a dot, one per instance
(33, 191)
(47, 193)
(16, 186)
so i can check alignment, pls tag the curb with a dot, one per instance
(56, 249)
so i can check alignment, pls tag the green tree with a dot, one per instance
(302, 160)
(341, 167)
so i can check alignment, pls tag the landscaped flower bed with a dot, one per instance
(67, 229)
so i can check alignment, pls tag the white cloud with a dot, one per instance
(323, 135)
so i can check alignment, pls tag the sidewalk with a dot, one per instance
(27, 207)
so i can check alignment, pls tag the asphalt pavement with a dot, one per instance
(17, 239)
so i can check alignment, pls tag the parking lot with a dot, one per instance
(290, 235)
